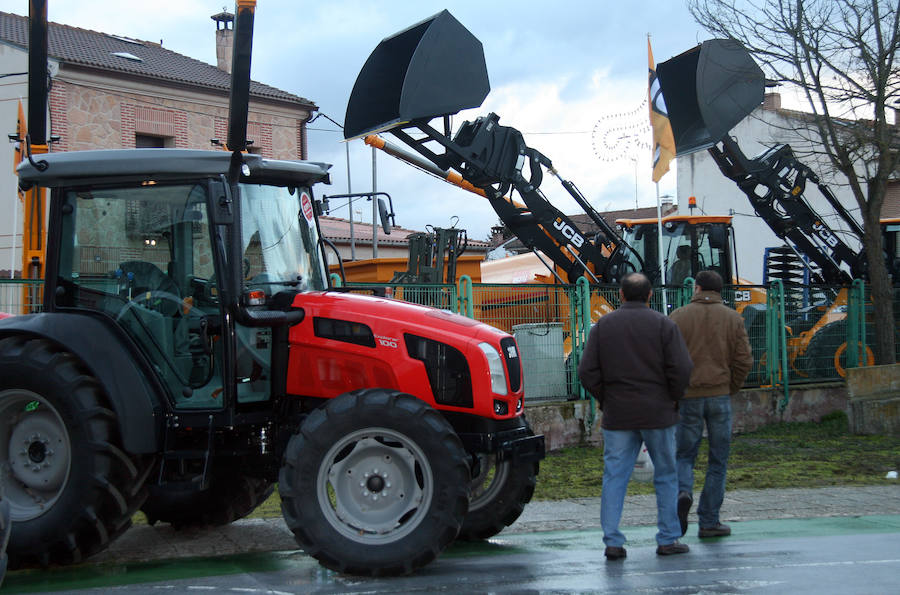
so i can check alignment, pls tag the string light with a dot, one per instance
(623, 136)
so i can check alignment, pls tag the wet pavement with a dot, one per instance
(790, 540)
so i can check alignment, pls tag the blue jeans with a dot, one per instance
(715, 412)
(620, 451)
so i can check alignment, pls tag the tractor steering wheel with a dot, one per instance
(164, 302)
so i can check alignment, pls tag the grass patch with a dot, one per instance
(782, 455)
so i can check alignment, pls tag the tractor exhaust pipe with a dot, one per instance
(239, 99)
(708, 90)
(37, 72)
(434, 68)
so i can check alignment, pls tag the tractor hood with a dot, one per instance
(393, 318)
(350, 342)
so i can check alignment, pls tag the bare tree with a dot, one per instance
(842, 56)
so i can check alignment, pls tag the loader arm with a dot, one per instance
(774, 183)
(436, 68)
(708, 90)
(495, 159)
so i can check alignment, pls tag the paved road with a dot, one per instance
(823, 541)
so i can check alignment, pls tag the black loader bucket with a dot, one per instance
(708, 90)
(431, 69)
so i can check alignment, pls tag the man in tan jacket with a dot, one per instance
(720, 350)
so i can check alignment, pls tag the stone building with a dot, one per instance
(112, 92)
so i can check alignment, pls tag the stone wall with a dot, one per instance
(874, 399)
(104, 117)
(568, 423)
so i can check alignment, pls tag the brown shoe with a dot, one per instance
(615, 553)
(672, 548)
(718, 530)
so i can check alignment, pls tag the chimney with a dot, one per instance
(666, 205)
(772, 101)
(224, 39)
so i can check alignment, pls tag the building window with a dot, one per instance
(146, 141)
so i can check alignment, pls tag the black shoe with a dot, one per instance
(672, 548)
(615, 553)
(717, 530)
(684, 507)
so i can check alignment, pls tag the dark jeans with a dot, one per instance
(715, 412)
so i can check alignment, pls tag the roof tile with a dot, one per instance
(83, 47)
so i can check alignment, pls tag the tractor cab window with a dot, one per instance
(280, 240)
(142, 255)
(280, 255)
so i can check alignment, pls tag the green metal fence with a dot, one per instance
(798, 334)
(443, 296)
(19, 296)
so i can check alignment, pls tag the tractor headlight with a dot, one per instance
(495, 365)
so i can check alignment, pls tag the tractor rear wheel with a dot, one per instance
(229, 497)
(70, 486)
(499, 492)
(375, 483)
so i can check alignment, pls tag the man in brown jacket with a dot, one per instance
(720, 350)
(637, 365)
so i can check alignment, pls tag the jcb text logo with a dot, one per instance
(826, 235)
(569, 233)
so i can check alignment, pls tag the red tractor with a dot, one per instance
(191, 354)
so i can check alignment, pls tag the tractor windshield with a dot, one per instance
(280, 239)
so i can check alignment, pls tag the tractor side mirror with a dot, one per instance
(384, 216)
(221, 211)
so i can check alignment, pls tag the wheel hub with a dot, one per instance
(37, 452)
(377, 483)
(38, 456)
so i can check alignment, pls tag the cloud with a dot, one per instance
(555, 70)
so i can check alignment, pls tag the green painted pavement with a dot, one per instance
(108, 575)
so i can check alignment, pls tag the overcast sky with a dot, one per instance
(561, 72)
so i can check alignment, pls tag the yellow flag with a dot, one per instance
(663, 139)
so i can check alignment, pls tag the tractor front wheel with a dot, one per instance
(500, 489)
(374, 483)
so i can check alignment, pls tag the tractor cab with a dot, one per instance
(690, 244)
(158, 249)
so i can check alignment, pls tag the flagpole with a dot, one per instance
(662, 268)
(663, 152)
(662, 264)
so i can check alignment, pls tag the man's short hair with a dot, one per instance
(709, 281)
(635, 287)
